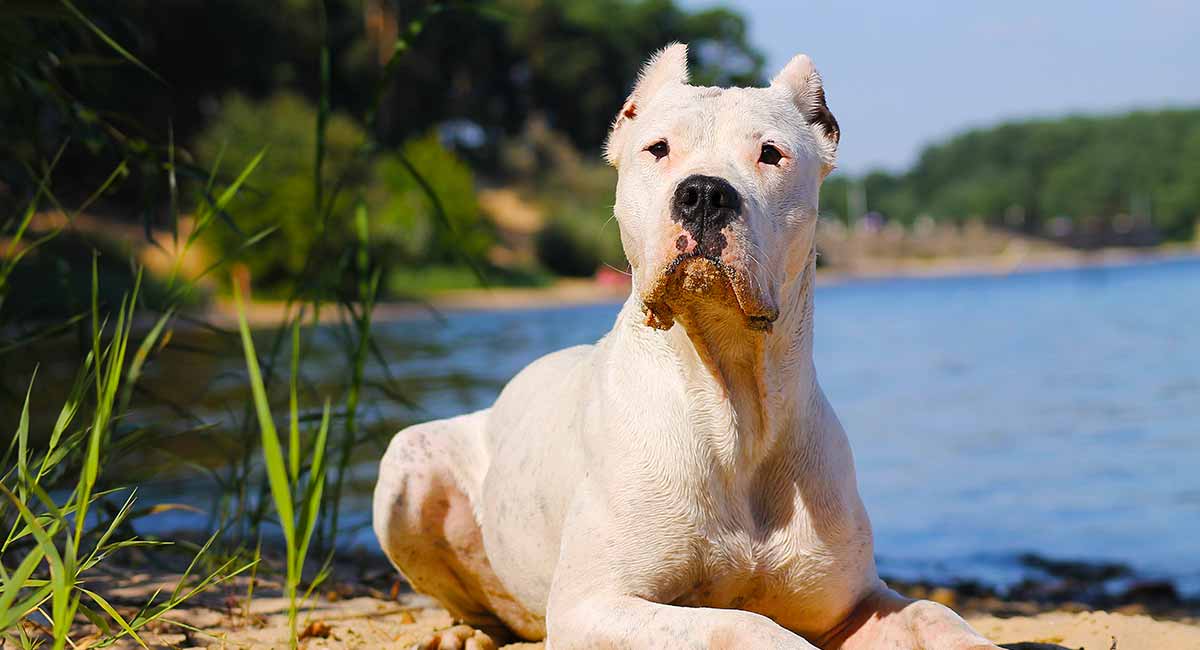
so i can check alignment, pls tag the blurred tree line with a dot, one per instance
(193, 86)
(1143, 165)
(153, 99)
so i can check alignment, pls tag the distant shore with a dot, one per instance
(576, 292)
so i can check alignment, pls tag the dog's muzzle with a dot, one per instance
(704, 206)
(707, 270)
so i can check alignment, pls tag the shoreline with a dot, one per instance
(371, 607)
(569, 292)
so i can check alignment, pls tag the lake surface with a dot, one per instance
(1056, 413)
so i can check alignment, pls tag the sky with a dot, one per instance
(901, 75)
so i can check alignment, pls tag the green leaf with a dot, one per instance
(22, 438)
(272, 452)
(61, 575)
(315, 488)
(294, 419)
(67, 414)
(108, 39)
(17, 581)
(139, 358)
(112, 612)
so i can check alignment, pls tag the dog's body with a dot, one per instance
(683, 482)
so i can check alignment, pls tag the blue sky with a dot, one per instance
(900, 75)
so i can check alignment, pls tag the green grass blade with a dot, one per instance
(139, 358)
(323, 112)
(67, 414)
(22, 439)
(118, 173)
(108, 39)
(61, 576)
(253, 579)
(12, 255)
(113, 524)
(192, 565)
(272, 452)
(217, 207)
(18, 580)
(112, 612)
(12, 616)
(316, 486)
(293, 416)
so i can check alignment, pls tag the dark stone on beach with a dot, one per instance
(1086, 572)
(1156, 592)
(973, 589)
(1042, 592)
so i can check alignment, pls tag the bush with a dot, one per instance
(281, 190)
(406, 226)
(578, 240)
(581, 234)
(406, 223)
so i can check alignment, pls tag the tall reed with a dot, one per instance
(297, 497)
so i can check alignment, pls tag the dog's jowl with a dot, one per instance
(682, 483)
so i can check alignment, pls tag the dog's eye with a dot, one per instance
(770, 155)
(659, 149)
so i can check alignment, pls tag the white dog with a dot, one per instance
(683, 483)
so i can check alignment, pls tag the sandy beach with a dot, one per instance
(377, 610)
(366, 622)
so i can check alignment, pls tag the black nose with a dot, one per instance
(704, 205)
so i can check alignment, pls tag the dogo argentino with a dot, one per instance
(682, 483)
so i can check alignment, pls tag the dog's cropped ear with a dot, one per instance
(802, 81)
(668, 66)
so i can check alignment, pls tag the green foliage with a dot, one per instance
(492, 62)
(421, 199)
(1145, 164)
(577, 242)
(55, 543)
(282, 194)
(580, 234)
(579, 89)
(412, 228)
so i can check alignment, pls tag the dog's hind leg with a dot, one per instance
(425, 518)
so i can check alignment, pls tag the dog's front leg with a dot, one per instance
(630, 623)
(600, 596)
(886, 619)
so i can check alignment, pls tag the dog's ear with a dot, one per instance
(667, 66)
(802, 81)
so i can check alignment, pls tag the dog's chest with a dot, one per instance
(803, 570)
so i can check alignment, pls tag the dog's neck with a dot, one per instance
(747, 390)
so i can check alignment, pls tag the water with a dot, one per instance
(1056, 413)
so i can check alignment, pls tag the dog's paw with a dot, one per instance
(459, 637)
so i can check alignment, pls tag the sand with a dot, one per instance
(1090, 630)
(571, 292)
(382, 622)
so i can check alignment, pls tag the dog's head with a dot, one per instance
(717, 188)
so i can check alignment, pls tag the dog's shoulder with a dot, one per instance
(546, 378)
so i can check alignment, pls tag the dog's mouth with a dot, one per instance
(692, 280)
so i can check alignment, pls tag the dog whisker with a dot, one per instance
(626, 273)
